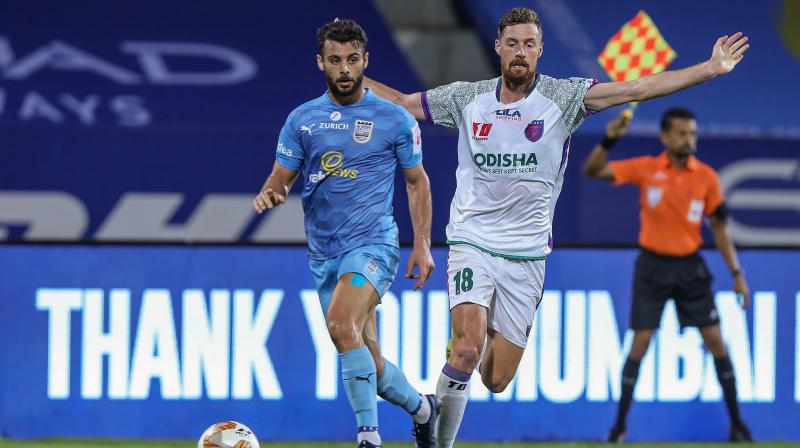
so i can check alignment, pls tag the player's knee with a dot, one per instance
(716, 347)
(641, 342)
(465, 355)
(638, 350)
(342, 333)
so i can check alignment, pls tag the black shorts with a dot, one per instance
(684, 279)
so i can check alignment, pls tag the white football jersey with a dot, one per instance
(511, 160)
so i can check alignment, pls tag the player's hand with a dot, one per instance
(618, 127)
(727, 52)
(741, 288)
(267, 199)
(420, 257)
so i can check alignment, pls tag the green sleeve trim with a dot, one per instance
(496, 254)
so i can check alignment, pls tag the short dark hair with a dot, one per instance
(517, 16)
(342, 31)
(673, 113)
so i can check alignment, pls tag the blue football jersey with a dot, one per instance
(348, 156)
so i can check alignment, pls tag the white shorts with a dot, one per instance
(510, 289)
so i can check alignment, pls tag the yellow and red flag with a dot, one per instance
(637, 49)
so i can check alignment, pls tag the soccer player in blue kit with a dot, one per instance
(348, 143)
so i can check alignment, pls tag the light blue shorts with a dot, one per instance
(376, 262)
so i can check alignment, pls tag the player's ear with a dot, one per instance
(663, 137)
(497, 46)
(541, 48)
(366, 60)
(319, 63)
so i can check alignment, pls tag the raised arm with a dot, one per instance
(419, 204)
(275, 188)
(596, 164)
(727, 52)
(412, 102)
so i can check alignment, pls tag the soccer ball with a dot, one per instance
(228, 435)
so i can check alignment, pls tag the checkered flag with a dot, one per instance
(636, 50)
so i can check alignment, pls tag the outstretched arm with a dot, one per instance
(412, 102)
(727, 52)
(419, 204)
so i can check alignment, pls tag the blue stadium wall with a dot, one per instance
(145, 121)
(161, 341)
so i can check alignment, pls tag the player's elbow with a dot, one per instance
(406, 100)
(402, 99)
(636, 91)
(399, 98)
(417, 180)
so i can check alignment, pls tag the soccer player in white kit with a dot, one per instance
(513, 143)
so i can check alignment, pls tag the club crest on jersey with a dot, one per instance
(372, 267)
(534, 130)
(363, 131)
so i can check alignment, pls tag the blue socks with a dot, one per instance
(360, 385)
(395, 388)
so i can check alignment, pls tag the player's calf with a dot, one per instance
(500, 361)
(495, 384)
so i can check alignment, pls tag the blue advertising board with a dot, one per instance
(161, 341)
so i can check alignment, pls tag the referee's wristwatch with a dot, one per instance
(737, 272)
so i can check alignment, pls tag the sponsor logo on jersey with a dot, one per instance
(336, 126)
(308, 128)
(283, 149)
(332, 165)
(331, 160)
(508, 114)
(336, 115)
(534, 130)
(480, 131)
(505, 160)
(363, 131)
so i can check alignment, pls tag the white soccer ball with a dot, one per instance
(228, 435)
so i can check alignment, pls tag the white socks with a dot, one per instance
(453, 391)
(423, 414)
(370, 434)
